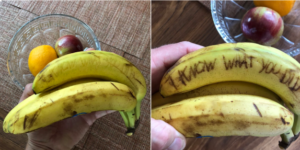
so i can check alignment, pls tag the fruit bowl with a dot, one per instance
(43, 30)
(227, 16)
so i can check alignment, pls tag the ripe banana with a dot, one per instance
(248, 62)
(226, 115)
(230, 87)
(43, 109)
(93, 64)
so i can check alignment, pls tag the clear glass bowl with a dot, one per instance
(227, 16)
(43, 30)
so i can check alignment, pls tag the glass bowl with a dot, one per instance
(43, 30)
(227, 16)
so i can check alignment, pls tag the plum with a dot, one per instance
(262, 25)
(67, 44)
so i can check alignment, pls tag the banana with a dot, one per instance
(93, 64)
(43, 109)
(128, 117)
(247, 62)
(230, 87)
(226, 115)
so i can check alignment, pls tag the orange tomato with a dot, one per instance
(282, 7)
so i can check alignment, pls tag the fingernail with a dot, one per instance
(178, 144)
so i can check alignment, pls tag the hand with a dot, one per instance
(163, 135)
(63, 134)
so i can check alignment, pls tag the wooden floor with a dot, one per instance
(191, 21)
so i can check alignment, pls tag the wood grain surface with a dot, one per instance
(122, 27)
(176, 21)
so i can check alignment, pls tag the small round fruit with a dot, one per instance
(262, 25)
(282, 7)
(68, 44)
(39, 57)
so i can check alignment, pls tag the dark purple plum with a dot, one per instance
(262, 25)
(67, 44)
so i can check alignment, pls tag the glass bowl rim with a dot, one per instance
(222, 33)
(97, 43)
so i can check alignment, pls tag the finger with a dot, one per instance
(27, 92)
(164, 136)
(90, 118)
(164, 57)
(100, 114)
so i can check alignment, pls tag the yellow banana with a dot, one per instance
(93, 64)
(229, 87)
(129, 122)
(43, 109)
(226, 115)
(248, 62)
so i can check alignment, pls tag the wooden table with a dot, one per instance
(173, 22)
(121, 27)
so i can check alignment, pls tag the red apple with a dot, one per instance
(262, 25)
(67, 44)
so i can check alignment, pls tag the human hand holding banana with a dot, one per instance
(63, 134)
(163, 135)
(232, 89)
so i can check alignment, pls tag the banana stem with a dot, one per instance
(125, 118)
(137, 113)
(296, 125)
(286, 139)
(131, 122)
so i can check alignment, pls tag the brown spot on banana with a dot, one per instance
(241, 125)
(170, 116)
(138, 81)
(74, 113)
(68, 108)
(132, 94)
(88, 97)
(24, 123)
(221, 114)
(257, 110)
(283, 121)
(33, 119)
(77, 100)
(188, 128)
(129, 64)
(115, 86)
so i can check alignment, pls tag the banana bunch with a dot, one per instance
(70, 85)
(232, 89)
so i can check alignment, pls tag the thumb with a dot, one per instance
(27, 92)
(164, 136)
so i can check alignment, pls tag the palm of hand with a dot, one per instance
(63, 134)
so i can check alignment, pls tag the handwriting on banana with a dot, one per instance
(286, 76)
